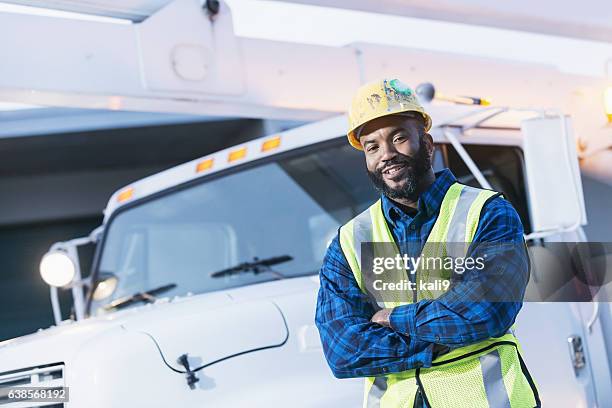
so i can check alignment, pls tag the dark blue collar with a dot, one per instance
(429, 202)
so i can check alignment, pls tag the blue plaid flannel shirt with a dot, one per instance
(356, 347)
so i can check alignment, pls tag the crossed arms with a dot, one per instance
(355, 346)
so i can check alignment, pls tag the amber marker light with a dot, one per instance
(237, 154)
(270, 144)
(608, 103)
(125, 194)
(204, 165)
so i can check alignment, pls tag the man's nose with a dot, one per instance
(388, 152)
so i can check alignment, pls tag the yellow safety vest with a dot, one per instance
(487, 374)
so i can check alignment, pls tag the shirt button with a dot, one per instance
(413, 227)
(437, 338)
(385, 369)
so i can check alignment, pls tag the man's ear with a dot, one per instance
(429, 143)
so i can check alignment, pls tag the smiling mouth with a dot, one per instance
(393, 170)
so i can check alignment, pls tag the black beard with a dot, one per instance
(416, 168)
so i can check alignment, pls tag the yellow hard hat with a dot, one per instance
(382, 98)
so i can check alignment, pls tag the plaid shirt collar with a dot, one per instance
(429, 202)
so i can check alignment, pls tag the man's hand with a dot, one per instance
(382, 317)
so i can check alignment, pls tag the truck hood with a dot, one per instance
(244, 327)
(246, 318)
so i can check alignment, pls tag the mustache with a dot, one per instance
(401, 160)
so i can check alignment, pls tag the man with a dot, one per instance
(423, 345)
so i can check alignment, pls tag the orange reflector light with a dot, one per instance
(608, 103)
(125, 194)
(204, 165)
(237, 154)
(270, 144)
(115, 103)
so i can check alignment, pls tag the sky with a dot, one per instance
(307, 24)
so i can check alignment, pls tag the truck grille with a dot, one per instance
(48, 376)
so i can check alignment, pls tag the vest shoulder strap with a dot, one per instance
(457, 221)
(353, 233)
(460, 213)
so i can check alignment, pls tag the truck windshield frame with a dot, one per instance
(515, 192)
(283, 157)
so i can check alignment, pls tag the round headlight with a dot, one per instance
(57, 269)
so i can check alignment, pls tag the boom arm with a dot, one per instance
(181, 59)
(588, 19)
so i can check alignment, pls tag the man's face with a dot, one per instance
(398, 153)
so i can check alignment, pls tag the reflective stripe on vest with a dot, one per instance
(457, 223)
(490, 373)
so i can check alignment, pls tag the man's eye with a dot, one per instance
(398, 138)
(371, 148)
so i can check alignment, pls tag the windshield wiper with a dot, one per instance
(256, 266)
(146, 296)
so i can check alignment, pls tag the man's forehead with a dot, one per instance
(391, 123)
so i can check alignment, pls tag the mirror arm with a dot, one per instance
(57, 311)
(78, 283)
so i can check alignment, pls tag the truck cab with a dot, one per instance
(205, 278)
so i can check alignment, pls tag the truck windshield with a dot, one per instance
(290, 206)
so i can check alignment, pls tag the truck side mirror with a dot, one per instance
(554, 185)
(105, 285)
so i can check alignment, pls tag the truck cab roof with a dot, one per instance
(501, 130)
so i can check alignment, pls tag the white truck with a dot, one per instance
(204, 284)
(206, 274)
